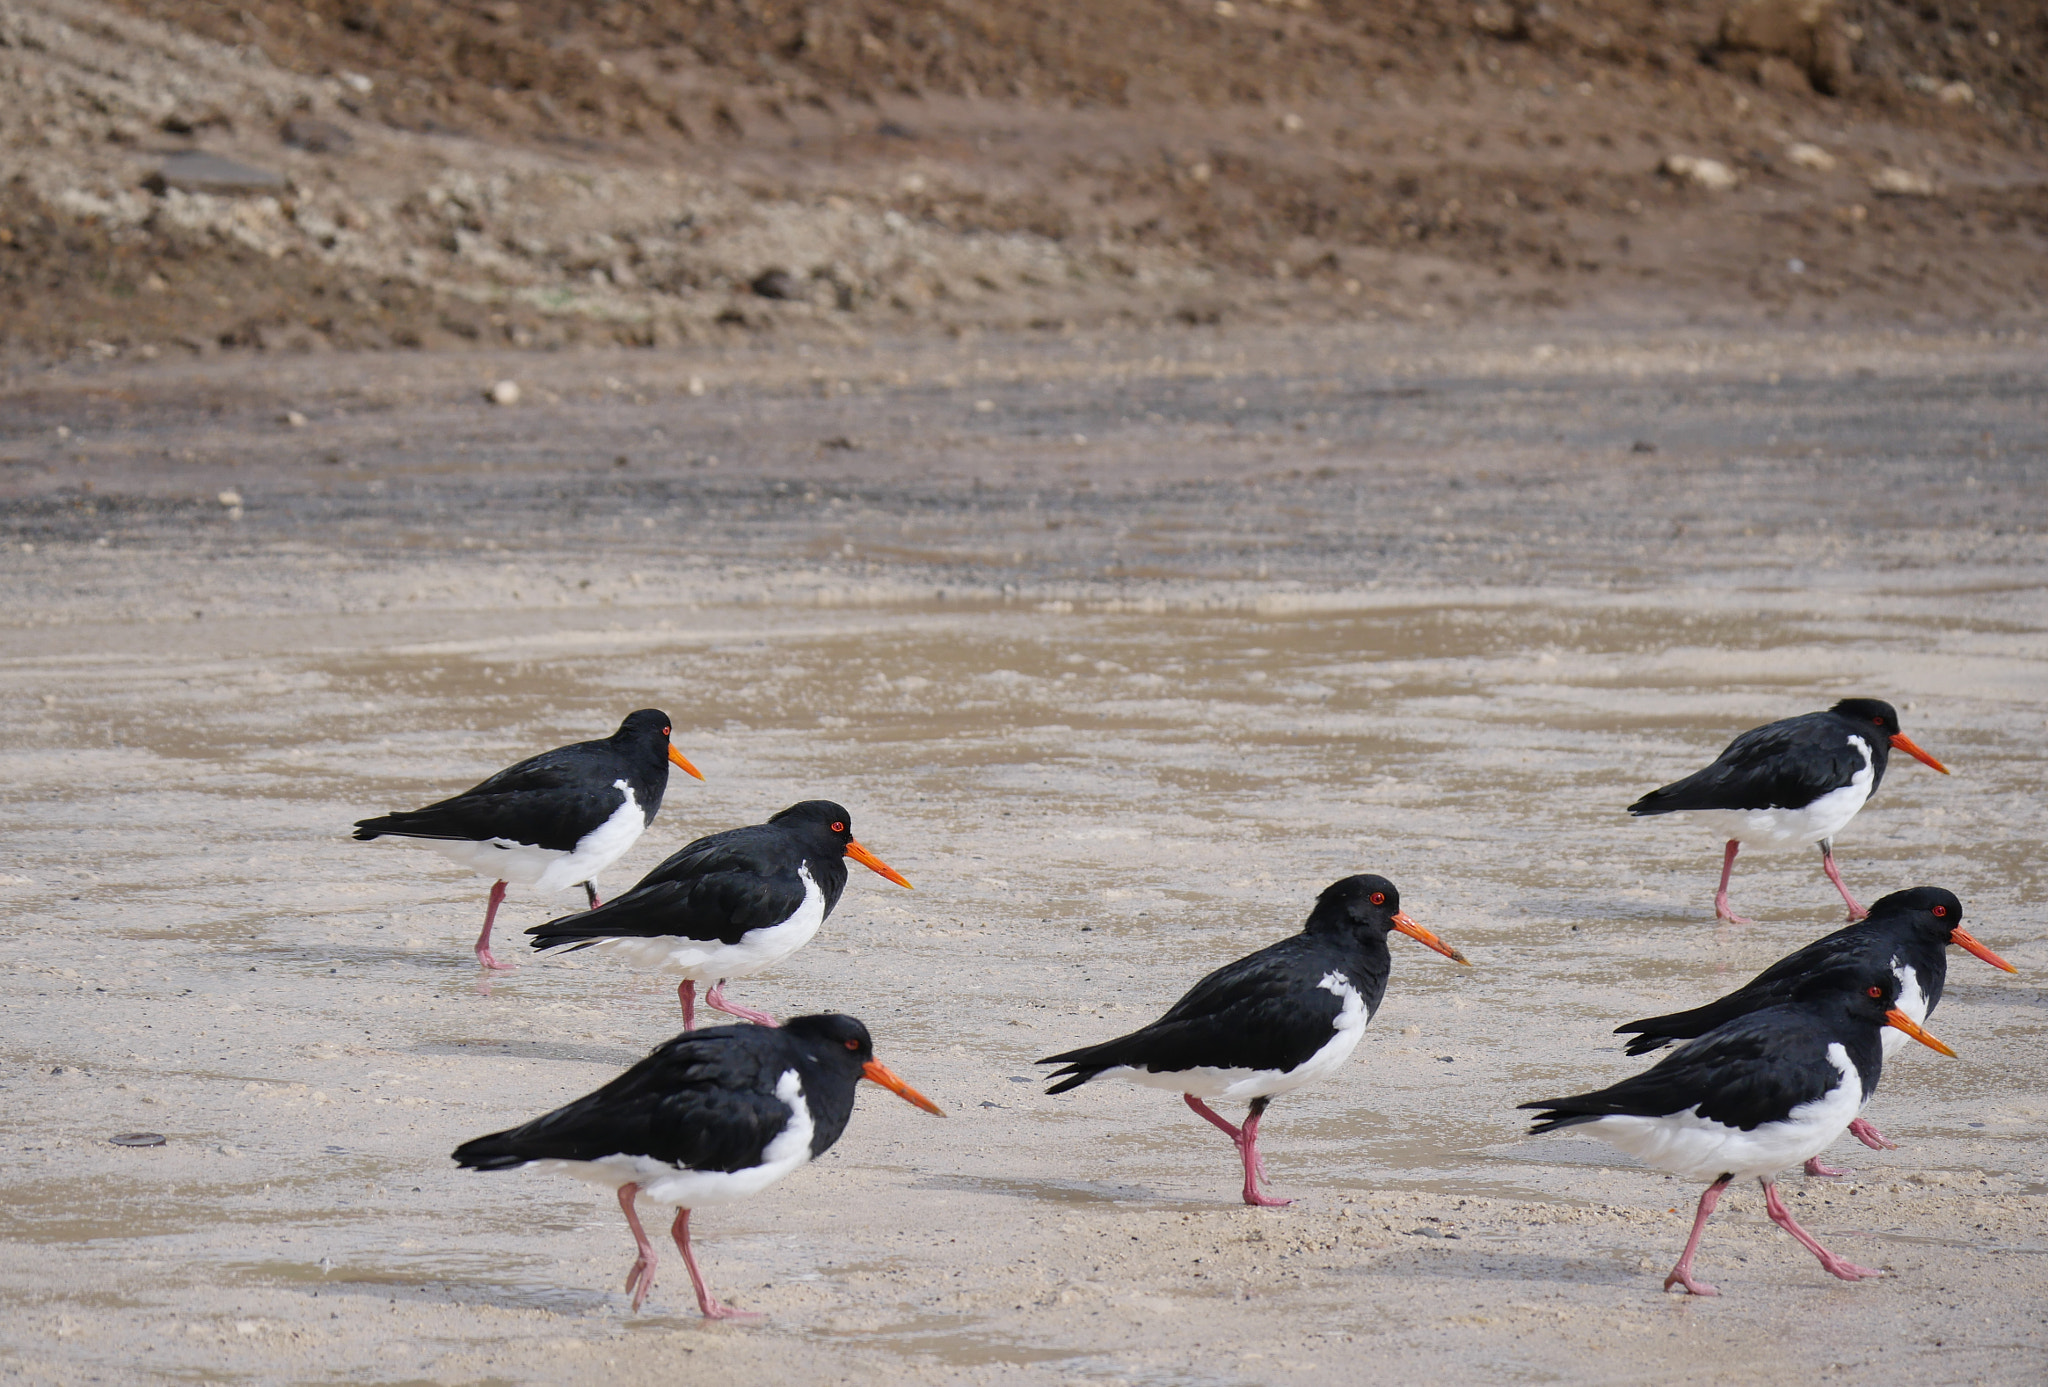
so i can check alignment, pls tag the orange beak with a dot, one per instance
(678, 759)
(1905, 744)
(1421, 935)
(886, 1077)
(1961, 938)
(1904, 1022)
(878, 867)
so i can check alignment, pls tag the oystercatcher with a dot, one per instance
(708, 1118)
(1908, 932)
(727, 905)
(1269, 1023)
(554, 820)
(1753, 1096)
(1795, 782)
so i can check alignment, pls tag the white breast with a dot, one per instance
(549, 869)
(1822, 819)
(1702, 1149)
(1912, 1001)
(709, 960)
(693, 1189)
(1207, 1082)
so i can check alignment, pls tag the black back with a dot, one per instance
(1268, 1010)
(1902, 929)
(723, 886)
(1785, 765)
(703, 1101)
(551, 800)
(1759, 1066)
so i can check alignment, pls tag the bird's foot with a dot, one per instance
(1263, 1201)
(640, 1280)
(1681, 1275)
(1870, 1136)
(1826, 1172)
(1848, 1271)
(716, 1309)
(1856, 913)
(486, 959)
(1722, 911)
(715, 999)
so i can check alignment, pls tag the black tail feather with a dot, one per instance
(493, 1152)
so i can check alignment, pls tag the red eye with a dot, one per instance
(853, 1044)
(1877, 992)
(1379, 898)
(1941, 912)
(839, 828)
(1877, 722)
(664, 731)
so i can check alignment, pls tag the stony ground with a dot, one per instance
(1119, 647)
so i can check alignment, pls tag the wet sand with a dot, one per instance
(1120, 670)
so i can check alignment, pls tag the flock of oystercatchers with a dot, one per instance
(1763, 1079)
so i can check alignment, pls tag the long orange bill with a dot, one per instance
(886, 1077)
(877, 866)
(1905, 744)
(1898, 1018)
(1417, 932)
(1961, 938)
(677, 758)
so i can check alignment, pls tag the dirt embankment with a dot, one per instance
(543, 173)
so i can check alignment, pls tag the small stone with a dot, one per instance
(294, 419)
(1711, 174)
(504, 392)
(316, 136)
(1956, 94)
(230, 498)
(194, 171)
(1809, 156)
(696, 385)
(1898, 182)
(1292, 124)
(777, 284)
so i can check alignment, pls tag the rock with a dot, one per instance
(230, 499)
(1956, 94)
(294, 420)
(1803, 33)
(195, 171)
(505, 392)
(1809, 156)
(1711, 174)
(777, 284)
(316, 136)
(1898, 182)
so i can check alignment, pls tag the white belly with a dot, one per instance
(1781, 828)
(707, 960)
(694, 1189)
(1246, 1084)
(1698, 1148)
(547, 869)
(1913, 1002)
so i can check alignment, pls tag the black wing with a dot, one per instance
(1783, 765)
(1753, 1070)
(705, 1101)
(718, 887)
(1771, 987)
(1265, 1011)
(548, 801)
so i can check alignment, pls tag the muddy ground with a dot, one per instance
(1120, 647)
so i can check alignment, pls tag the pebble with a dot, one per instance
(195, 171)
(316, 136)
(1810, 156)
(294, 419)
(230, 499)
(1711, 174)
(1898, 182)
(505, 392)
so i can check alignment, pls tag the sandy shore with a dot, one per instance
(1120, 649)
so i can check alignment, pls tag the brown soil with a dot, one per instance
(534, 174)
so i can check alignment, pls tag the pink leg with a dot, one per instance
(483, 941)
(590, 893)
(715, 999)
(1870, 1136)
(1722, 910)
(1826, 1172)
(710, 1304)
(1246, 1140)
(686, 993)
(640, 1280)
(1781, 1216)
(1827, 862)
(1682, 1273)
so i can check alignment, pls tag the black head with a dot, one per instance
(1372, 904)
(649, 723)
(827, 824)
(1873, 713)
(840, 1042)
(1865, 993)
(1933, 914)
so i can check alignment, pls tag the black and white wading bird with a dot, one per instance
(554, 820)
(1791, 783)
(1269, 1023)
(708, 1118)
(1754, 1097)
(728, 905)
(1908, 932)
